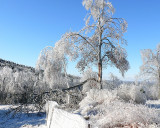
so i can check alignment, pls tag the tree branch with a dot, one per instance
(84, 38)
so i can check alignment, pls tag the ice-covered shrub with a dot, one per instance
(91, 83)
(151, 91)
(138, 93)
(132, 92)
(125, 114)
(95, 97)
(107, 110)
(123, 92)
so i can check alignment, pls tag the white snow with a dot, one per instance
(10, 119)
(57, 118)
(107, 110)
(111, 112)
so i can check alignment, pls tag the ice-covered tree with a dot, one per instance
(23, 80)
(6, 79)
(53, 61)
(100, 42)
(53, 65)
(151, 64)
(114, 81)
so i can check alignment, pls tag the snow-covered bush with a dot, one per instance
(138, 93)
(91, 83)
(96, 96)
(132, 92)
(120, 114)
(151, 91)
(107, 110)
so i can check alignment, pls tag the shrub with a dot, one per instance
(132, 92)
(90, 84)
(151, 91)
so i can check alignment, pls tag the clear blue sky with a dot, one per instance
(27, 26)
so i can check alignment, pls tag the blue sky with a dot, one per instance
(27, 26)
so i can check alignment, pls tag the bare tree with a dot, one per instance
(99, 42)
(151, 64)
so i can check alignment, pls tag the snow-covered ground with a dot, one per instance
(20, 120)
(107, 110)
(32, 120)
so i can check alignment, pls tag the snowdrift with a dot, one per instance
(57, 118)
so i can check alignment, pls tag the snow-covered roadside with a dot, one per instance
(34, 121)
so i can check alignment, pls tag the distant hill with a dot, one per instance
(19, 67)
(15, 67)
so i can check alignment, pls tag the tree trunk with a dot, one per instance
(100, 54)
(100, 74)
